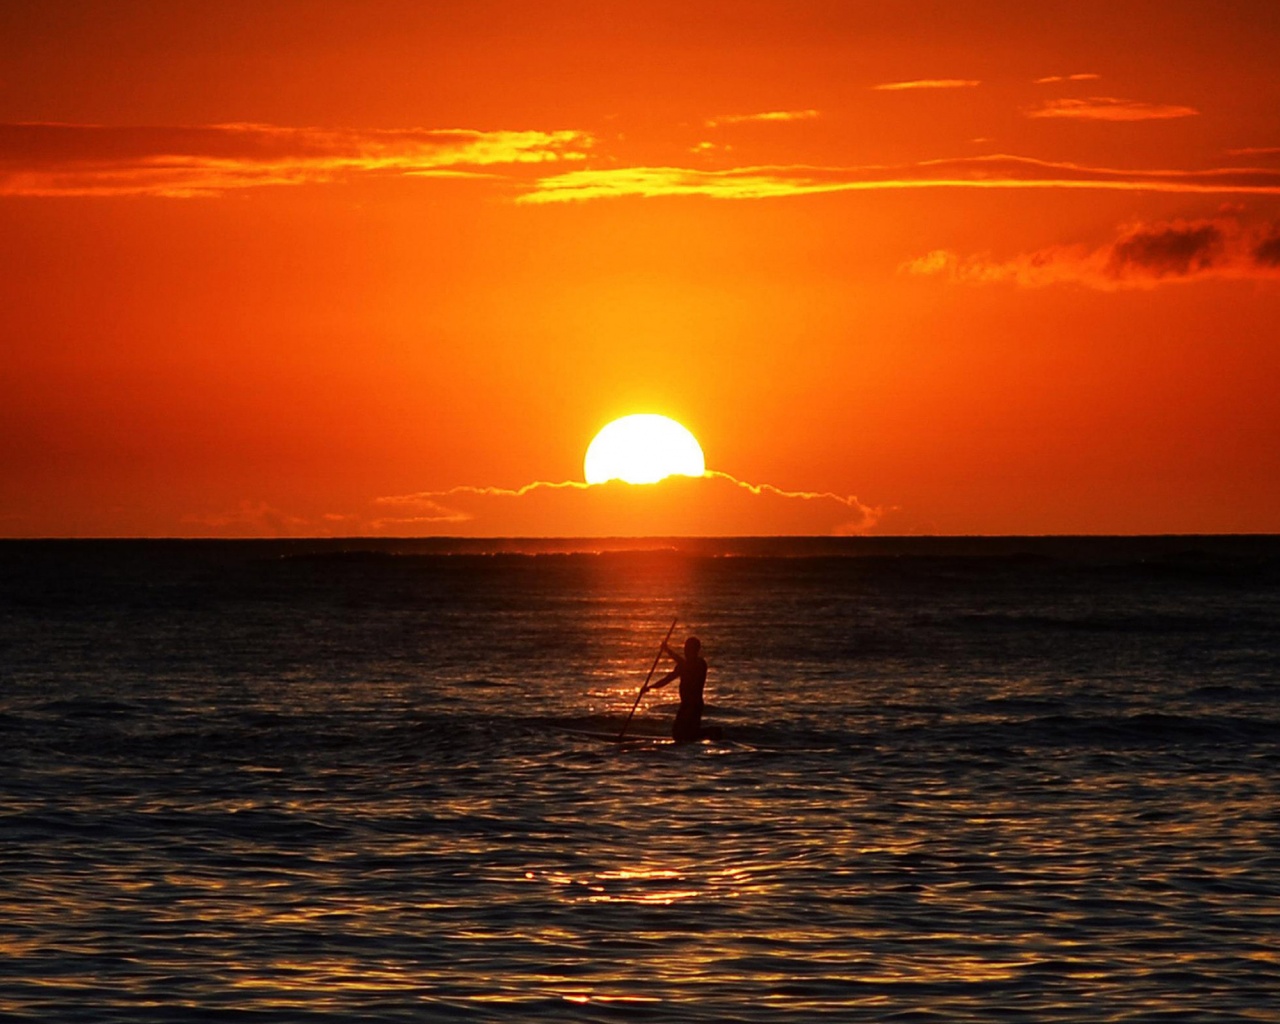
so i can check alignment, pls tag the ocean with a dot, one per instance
(960, 780)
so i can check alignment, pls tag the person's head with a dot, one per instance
(692, 646)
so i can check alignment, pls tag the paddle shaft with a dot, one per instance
(653, 668)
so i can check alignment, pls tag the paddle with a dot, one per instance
(656, 658)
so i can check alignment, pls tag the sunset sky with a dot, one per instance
(278, 268)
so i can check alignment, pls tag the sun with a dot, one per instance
(643, 449)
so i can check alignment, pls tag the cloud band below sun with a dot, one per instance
(715, 504)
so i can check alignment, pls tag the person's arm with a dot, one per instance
(675, 674)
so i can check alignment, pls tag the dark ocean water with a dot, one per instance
(987, 780)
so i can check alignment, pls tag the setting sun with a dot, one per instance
(643, 449)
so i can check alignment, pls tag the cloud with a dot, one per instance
(614, 182)
(1142, 256)
(183, 161)
(716, 504)
(928, 83)
(1171, 250)
(1267, 252)
(1110, 108)
(1085, 77)
(87, 160)
(250, 519)
(1267, 151)
(999, 171)
(766, 117)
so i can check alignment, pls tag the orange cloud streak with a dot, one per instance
(184, 161)
(928, 83)
(767, 116)
(1110, 108)
(995, 171)
(58, 159)
(1267, 151)
(1051, 79)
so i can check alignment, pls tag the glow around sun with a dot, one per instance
(643, 449)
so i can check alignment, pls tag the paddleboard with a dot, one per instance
(612, 737)
(645, 740)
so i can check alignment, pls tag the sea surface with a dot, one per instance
(961, 780)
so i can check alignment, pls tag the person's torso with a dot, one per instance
(692, 681)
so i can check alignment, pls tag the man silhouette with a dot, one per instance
(691, 670)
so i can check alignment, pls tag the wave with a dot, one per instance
(107, 736)
(1155, 622)
(1137, 731)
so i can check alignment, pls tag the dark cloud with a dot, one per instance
(1162, 252)
(1267, 252)
(1144, 256)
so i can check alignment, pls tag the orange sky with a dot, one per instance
(347, 268)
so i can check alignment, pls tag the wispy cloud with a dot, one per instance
(928, 83)
(1050, 79)
(446, 506)
(864, 516)
(765, 117)
(1264, 151)
(56, 160)
(1141, 256)
(1110, 108)
(714, 504)
(68, 159)
(1000, 171)
(616, 182)
(249, 519)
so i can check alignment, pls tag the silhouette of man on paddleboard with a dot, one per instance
(691, 670)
